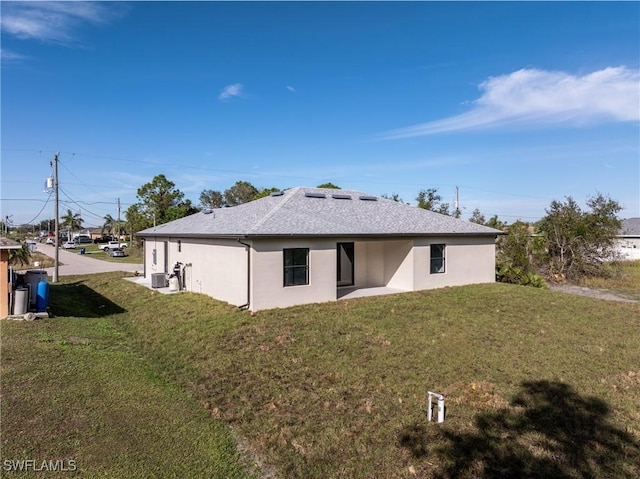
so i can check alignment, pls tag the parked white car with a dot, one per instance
(69, 245)
(113, 245)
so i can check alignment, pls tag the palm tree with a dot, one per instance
(109, 224)
(72, 221)
(22, 255)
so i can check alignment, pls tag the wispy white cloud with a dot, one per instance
(231, 91)
(291, 89)
(537, 97)
(54, 21)
(9, 56)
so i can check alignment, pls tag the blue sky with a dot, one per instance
(517, 104)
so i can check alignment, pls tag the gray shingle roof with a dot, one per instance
(6, 243)
(630, 227)
(318, 212)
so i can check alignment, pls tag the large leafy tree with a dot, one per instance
(495, 222)
(211, 199)
(329, 185)
(580, 242)
(430, 200)
(159, 201)
(265, 192)
(393, 196)
(518, 255)
(477, 217)
(241, 192)
(136, 221)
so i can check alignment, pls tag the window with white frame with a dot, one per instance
(437, 258)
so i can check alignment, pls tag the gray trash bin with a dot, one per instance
(20, 301)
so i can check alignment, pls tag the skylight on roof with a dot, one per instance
(341, 197)
(310, 194)
(368, 198)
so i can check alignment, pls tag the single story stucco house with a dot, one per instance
(308, 245)
(629, 239)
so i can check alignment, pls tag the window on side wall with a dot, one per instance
(296, 266)
(437, 258)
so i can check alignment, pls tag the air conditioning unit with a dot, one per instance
(159, 280)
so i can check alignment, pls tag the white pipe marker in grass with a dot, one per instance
(440, 406)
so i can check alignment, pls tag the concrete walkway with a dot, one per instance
(72, 262)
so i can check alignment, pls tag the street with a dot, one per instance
(72, 262)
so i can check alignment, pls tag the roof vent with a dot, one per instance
(311, 194)
(277, 193)
(341, 197)
(207, 211)
(368, 198)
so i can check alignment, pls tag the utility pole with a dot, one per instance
(118, 223)
(456, 211)
(56, 214)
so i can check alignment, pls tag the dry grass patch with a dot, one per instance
(625, 281)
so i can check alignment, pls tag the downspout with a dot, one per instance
(246, 305)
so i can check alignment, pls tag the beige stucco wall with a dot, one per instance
(468, 260)
(267, 266)
(399, 264)
(154, 256)
(219, 267)
(369, 264)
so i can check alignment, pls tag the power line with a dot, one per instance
(81, 182)
(78, 202)
(95, 215)
(40, 212)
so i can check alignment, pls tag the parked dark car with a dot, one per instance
(82, 240)
(103, 239)
(115, 252)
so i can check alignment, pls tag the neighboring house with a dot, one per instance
(95, 233)
(629, 239)
(308, 245)
(6, 244)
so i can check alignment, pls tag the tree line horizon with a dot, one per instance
(566, 243)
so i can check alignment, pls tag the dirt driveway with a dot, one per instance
(592, 293)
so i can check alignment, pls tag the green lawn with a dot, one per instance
(133, 254)
(537, 384)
